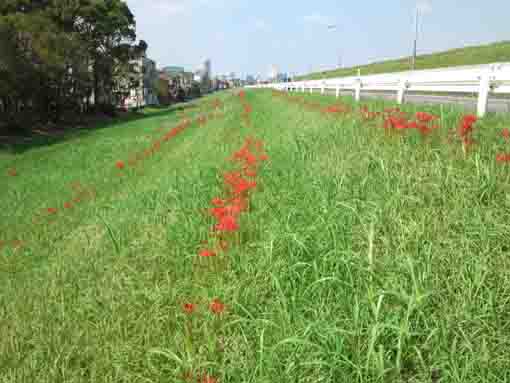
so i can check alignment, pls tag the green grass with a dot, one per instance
(483, 54)
(365, 258)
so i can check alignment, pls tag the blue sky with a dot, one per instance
(247, 37)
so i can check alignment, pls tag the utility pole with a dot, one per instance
(413, 60)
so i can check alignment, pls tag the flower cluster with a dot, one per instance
(120, 165)
(504, 157)
(226, 210)
(465, 129)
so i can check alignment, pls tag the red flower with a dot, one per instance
(120, 164)
(52, 210)
(466, 125)
(189, 308)
(68, 205)
(249, 172)
(217, 307)
(217, 201)
(502, 157)
(424, 129)
(505, 133)
(209, 379)
(12, 172)
(227, 223)
(207, 253)
(425, 117)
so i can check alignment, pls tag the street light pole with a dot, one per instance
(334, 28)
(413, 61)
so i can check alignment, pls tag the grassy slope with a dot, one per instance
(483, 54)
(364, 255)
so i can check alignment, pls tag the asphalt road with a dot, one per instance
(496, 105)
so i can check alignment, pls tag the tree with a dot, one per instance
(55, 54)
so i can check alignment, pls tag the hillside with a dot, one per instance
(474, 55)
(259, 237)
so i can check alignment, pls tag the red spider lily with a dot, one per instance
(230, 210)
(156, 145)
(245, 155)
(207, 253)
(52, 210)
(241, 94)
(424, 129)
(227, 223)
(218, 202)
(335, 109)
(12, 172)
(217, 307)
(505, 133)
(466, 125)
(243, 186)
(250, 172)
(189, 308)
(425, 117)
(208, 379)
(247, 109)
(68, 205)
(120, 164)
(503, 157)
(398, 123)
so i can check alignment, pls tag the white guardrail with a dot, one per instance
(484, 80)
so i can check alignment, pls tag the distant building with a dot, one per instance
(282, 77)
(164, 90)
(150, 81)
(145, 80)
(250, 80)
(273, 73)
(173, 70)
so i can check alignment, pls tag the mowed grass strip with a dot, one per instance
(365, 257)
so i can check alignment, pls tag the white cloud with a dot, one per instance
(318, 18)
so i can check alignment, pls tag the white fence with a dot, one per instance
(484, 80)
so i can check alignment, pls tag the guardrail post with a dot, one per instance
(303, 88)
(483, 95)
(337, 91)
(323, 88)
(311, 89)
(401, 92)
(357, 91)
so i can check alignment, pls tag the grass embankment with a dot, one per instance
(364, 256)
(482, 54)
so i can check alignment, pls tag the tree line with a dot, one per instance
(64, 58)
